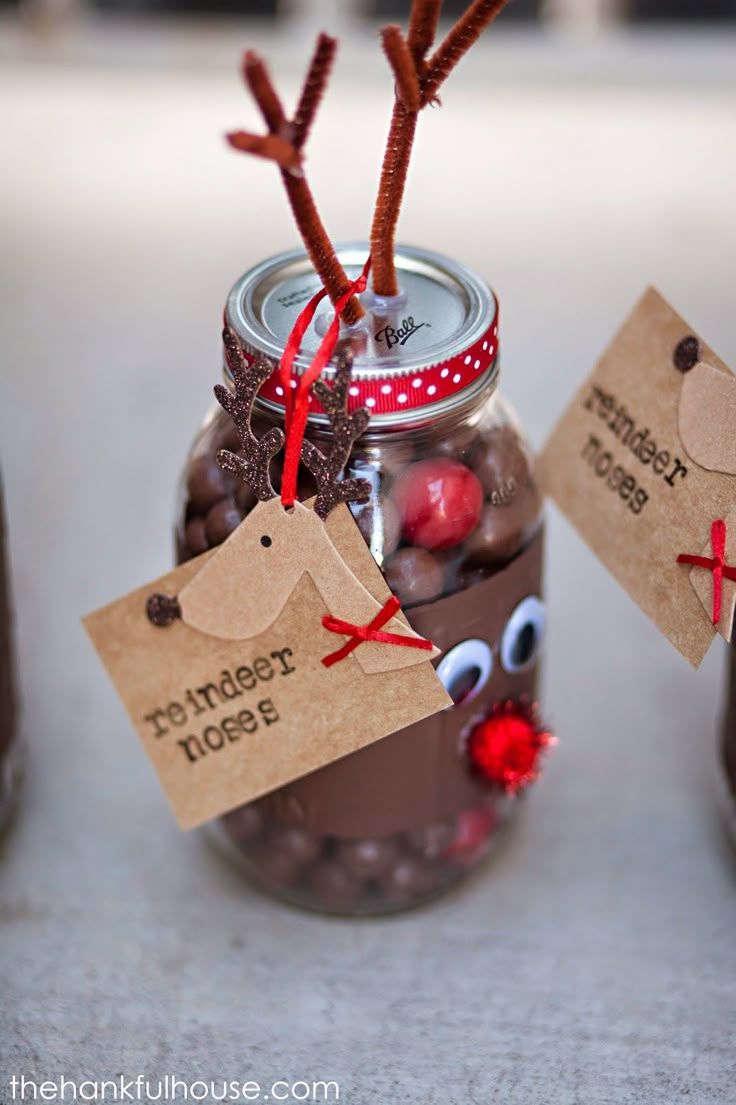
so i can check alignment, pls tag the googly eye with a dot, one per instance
(465, 670)
(522, 637)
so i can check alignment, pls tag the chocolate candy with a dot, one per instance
(386, 463)
(380, 524)
(502, 530)
(367, 859)
(306, 486)
(459, 443)
(226, 436)
(274, 865)
(244, 824)
(501, 465)
(195, 536)
(206, 483)
(302, 846)
(432, 841)
(410, 877)
(470, 574)
(244, 497)
(440, 502)
(221, 520)
(277, 464)
(414, 576)
(332, 886)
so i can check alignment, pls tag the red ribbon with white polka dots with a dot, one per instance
(402, 391)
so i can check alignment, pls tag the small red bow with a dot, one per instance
(717, 564)
(370, 632)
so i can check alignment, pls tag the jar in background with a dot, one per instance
(454, 522)
(9, 756)
(728, 738)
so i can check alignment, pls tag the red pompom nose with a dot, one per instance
(506, 747)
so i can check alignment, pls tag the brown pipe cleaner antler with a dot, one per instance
(418, 81)
(284, 144)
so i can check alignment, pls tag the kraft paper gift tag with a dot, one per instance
(259, 661)
(226, 717)
(643, 461)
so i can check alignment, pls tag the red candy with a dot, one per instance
(440, 503)
(474, 827)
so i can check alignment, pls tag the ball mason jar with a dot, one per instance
(454, 522)
(9, 749)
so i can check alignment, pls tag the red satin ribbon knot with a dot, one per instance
(296, 400)
(370, 632)
(716, 564)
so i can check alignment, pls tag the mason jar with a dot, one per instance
(9, 752)
(454, 522)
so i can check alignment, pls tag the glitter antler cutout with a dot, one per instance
(284, 144)
(252, 463)
(326, 468)
(418, 81)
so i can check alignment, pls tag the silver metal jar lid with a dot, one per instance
(418, 355)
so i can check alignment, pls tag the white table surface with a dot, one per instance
(594, 960)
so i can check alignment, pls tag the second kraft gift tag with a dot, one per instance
(642, 463)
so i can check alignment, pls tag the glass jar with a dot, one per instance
(9, 755)
(454, 522)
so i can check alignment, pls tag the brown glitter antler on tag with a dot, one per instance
(418, 81)
(284, 145)
(345, 429)
(253, 465)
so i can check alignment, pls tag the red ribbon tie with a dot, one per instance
(716, 564)
(296, 400)
(370, 632)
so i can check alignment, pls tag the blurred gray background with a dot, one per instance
(586, 149)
